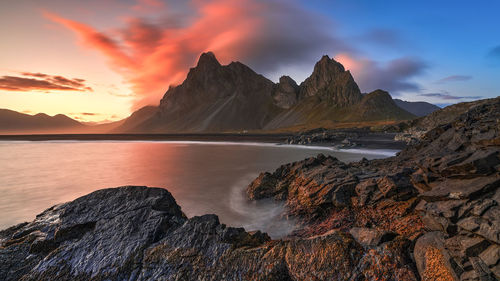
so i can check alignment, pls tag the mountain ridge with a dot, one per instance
(233, 97)
(15, 122)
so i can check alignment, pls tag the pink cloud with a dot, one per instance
(152, 56)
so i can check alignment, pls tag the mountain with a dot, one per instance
(418, 108)
(12, 122)
(233, 97)
(215, 98)
(379, 105)
(135, 119)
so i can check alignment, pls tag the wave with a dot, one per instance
(264, 215)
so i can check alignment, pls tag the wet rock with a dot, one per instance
(100, 234)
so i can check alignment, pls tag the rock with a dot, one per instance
(433, 260)
(365, 190)
(491, 255)
(481, 162)
(461, 189)
(481, 270)
(262, 187)
(286, 93)
(371, 237)
(482, 206)
(473, 246)
(100, 235)
(470, 223)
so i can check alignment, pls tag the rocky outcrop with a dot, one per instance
(441, 194)
(430, 213)
(140, 233)
(415, 129)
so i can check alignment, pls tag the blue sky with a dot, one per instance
(453, 38)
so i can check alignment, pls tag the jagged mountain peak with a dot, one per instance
(233, 97)
(331, 83)
(329, 65)
(285, 79)
(207, 59)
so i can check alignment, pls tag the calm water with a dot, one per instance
(203, 177)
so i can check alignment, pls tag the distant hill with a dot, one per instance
(13, 122)
(233, 97)
(418, 108)
(135, 119)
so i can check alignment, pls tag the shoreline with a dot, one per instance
(369, 141)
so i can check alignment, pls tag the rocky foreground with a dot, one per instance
(430, 213)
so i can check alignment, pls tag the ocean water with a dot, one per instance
(204, 177)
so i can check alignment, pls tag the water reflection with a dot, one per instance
(203, 177)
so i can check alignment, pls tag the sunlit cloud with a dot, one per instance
(42, 82)
(266, 35)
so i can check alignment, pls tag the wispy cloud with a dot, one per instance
(42, 82)
(447, 96)
(454, 78)
(393, 76)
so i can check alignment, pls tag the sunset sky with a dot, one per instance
(98, 60)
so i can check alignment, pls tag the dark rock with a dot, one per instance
(95, 235)
(491, 255)
(470, 223)
(371, 237)
(330, 81)
(461, 189)
(365, 190)
(286, 93)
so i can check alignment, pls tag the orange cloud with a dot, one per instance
(42, 82)
(152, 56)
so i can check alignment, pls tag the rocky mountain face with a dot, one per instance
(225, 98)
(379, 105)
(135, 119)
(215, 98)
(15, 122)
(413, 130)
(330, 82)
(430, 213)
(417, 108)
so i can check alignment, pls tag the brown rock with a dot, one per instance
(432, 259)
(370, 236)
(491, 255)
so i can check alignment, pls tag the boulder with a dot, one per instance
(433, 260)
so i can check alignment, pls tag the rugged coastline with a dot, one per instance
(430, 213)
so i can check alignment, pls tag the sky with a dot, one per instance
(99, 60)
